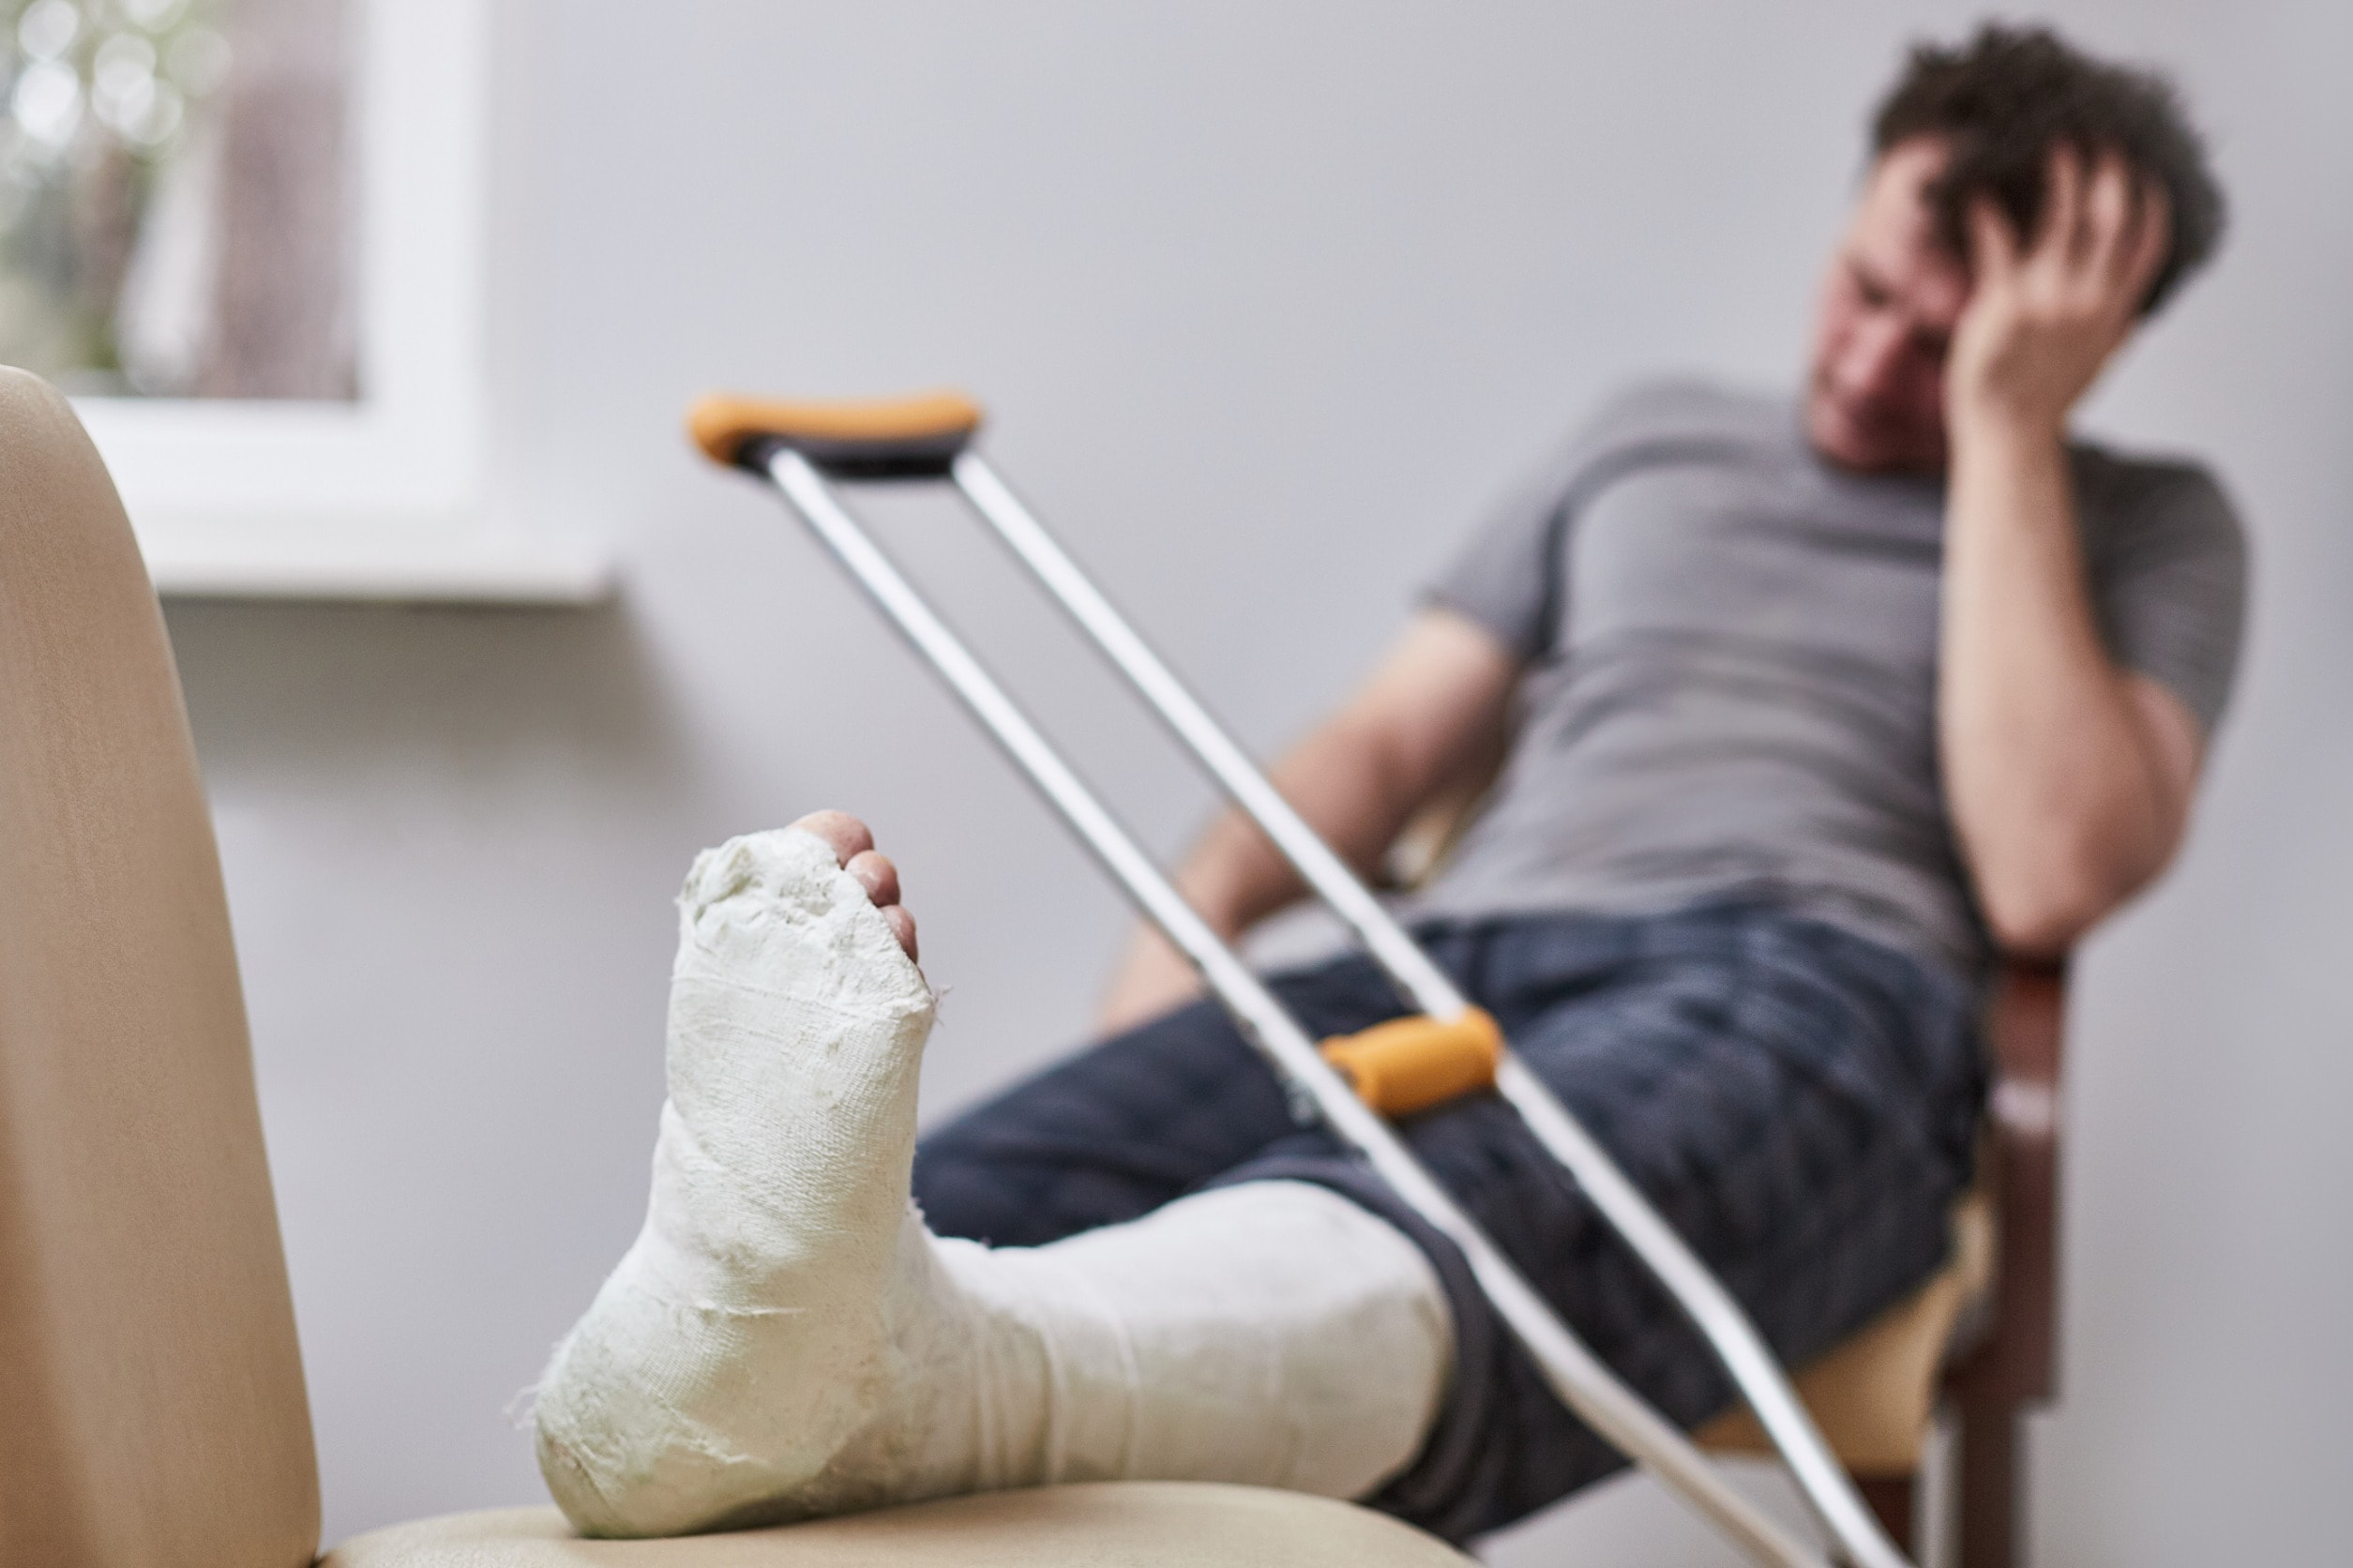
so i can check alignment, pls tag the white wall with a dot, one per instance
(1268, 300)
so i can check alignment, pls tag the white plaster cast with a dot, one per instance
(786, 1339)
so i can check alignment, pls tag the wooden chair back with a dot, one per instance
(152, 1409)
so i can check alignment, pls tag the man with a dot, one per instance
(1814, 708)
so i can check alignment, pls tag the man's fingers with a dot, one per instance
(2152, 239)
(1993, 244)
(2105, 232)
(2110, 207)
(2059, 235)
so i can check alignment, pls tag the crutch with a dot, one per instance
(1450, 1049)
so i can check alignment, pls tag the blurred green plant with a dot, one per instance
(100, 96)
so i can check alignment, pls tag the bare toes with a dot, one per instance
(852, 845)
(877, 875)
(902, 926)
(847, 836)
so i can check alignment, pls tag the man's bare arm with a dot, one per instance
(1439, 696)
(2069, 778)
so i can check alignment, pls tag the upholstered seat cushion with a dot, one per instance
(1136, 1524)
(1874, 1394)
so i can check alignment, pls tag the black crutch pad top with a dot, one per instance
(915, 437)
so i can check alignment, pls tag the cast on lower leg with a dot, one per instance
(786, 1339)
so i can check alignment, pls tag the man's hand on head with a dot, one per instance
(2068, 775)
(2045, 316)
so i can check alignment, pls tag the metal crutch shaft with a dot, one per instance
(1579, 1377)
(1727, 1329)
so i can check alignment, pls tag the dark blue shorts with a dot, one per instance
(1800, 1103)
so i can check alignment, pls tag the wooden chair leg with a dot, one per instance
(1988, 1437)
(1890, 1497)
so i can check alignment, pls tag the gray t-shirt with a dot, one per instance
(1733, 652)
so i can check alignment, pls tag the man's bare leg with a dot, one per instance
(785, 1338)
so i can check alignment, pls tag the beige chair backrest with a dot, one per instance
(152, 1411)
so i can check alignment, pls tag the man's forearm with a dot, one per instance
(1343, 785)
(1235, 877)
(2060, 807)
(1433, 706)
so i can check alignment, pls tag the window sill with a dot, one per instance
(371, 560)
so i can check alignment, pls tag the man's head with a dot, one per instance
(1974, 121)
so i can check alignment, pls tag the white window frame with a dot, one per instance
(385, 497)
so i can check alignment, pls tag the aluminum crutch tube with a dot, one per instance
(928, 438)
(1578, 1377)
(1734, 1338)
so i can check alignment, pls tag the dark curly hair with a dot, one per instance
(2002, 101)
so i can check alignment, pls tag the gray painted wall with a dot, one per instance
(1269, 300)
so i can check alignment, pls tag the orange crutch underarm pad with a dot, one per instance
(1412, 1064)
(913, 437)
